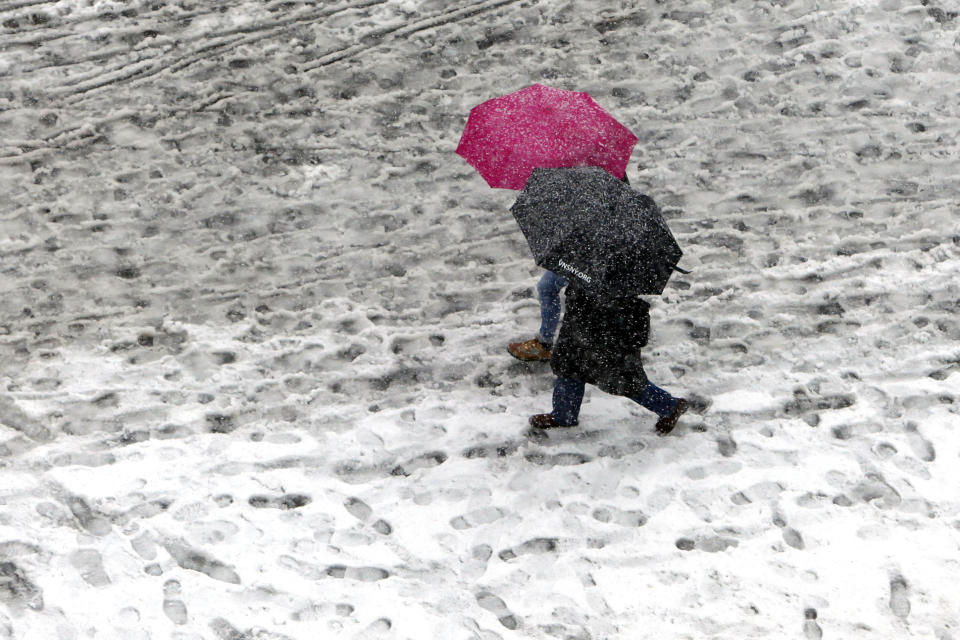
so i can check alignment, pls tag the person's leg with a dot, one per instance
(657, 400)
(548, 289)
(664, 405)
(567, 398)
(538, 349)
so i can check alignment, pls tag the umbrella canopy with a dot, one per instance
(596, 231)
(507, 137)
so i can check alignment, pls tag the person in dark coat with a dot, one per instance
(599, 344)
(540, 347)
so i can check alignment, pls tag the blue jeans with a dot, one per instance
(549, 289)
(568, 395)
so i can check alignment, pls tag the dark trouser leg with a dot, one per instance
(567, 397)
(657, 400)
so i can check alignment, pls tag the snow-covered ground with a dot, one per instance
(254, 310)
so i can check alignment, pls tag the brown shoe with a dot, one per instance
(546, 421)
(666, 424)
(529, 351)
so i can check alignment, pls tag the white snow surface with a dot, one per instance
(254, 311)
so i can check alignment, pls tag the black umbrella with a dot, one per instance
(592, 228)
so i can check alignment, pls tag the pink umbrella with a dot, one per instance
(540, 127)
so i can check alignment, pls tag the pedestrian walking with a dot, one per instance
(599, 344)
(549, 288)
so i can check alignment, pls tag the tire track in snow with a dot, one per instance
(376, 38)
(77, 91)
(260, 30)
(63, 25)
(24, 5)
(37, 30)
(367, 41)
(241, 36)
(77, 137)
(126, 34)
(52, 31)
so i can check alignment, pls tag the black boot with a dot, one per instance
(547, 421)
(666, 424)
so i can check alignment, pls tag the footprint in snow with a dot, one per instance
(379, 628)
(559, 459)
(793, 538)
(173, 606)
(382, 527)
(476, 518)
(89, 563)
(539, 546)
(720, 467)
(424, 461)
(196, 560)
(363, 512)
(16, 588)
(811, 630)
(727, 446)
(884, 450)
(549, 437)
(357, 471)
(842, 501)
(592, 594)
(223, 630)
(476, 565)
(220, 423)
(498, 450)
(899, 597)
(284, 502)
(98, 459)
(533, 546)
(495, 605)
(320, 612)
(790, 535)
(922, 447)
(619, 517)
(91, 521)
(875, 489)
(710, 544)
(361, 574)
(620, 451)
(808, 408)
(859, 429)
(212, 531)
(357, 508)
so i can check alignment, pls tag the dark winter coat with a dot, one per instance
(600, 340)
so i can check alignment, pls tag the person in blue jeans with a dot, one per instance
(599, 344)
(539, 348)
